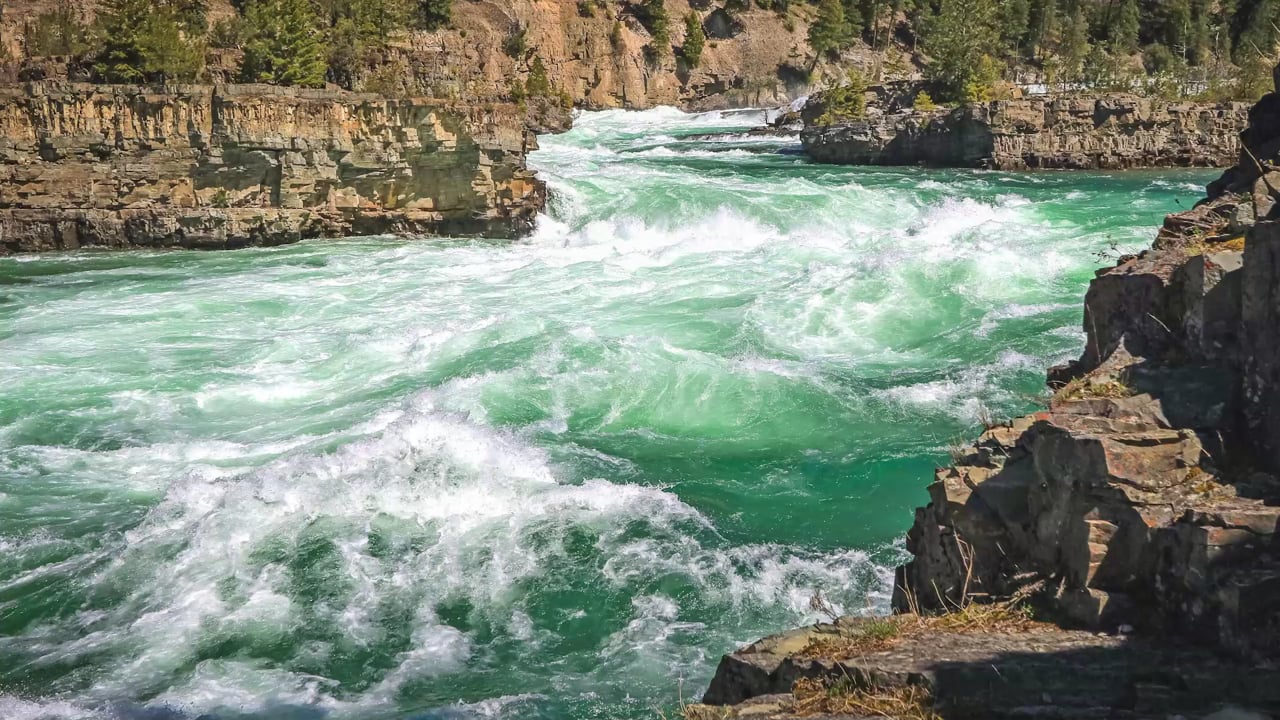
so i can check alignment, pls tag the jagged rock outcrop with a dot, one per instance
(1147, 494)
(1137, 518)
(228, 166)
(1067, 132)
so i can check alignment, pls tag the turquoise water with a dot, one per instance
(552, 479)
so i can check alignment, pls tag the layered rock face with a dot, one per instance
(1116, 555)
(229, 166)
(596, 52)
(1099, 133)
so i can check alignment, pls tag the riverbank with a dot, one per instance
(1068, 132)
(379, 477)
(1132, 526)
(237, 165)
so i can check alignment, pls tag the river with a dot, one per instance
(376, 478)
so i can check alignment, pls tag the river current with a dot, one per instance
(376, 478)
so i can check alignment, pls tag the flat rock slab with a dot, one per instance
(1040, 671)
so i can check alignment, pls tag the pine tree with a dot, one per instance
(830, 31)
(958, 39)
(653, 14)
(1125, 27)
(695, 39)
(1075, 43)
(1043, 29)
(538, 85)
(1258, 37)
(143, 43)
(434, 13)
(284, 44)
(1015, 21)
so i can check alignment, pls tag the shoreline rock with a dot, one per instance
(1106, 132)
(1131, 530)
(236, 165)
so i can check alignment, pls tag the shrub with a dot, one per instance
(227, 33)
(923, 102)
(514, 45)
(695, 39)
(845, 102)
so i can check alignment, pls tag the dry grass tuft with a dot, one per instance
(840, 696)
(1087, 388)
(974, 618)
(869, 636)
(706, 712)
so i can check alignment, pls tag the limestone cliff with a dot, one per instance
(228, 166)
(1069, 132)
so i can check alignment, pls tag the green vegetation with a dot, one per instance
(653, 15)
(284, 44)
(923, 102)
(147, 42)
(1171, 48)
(695, 39)
(538, 85)
(831, 31)
(60, 32)
(958, 39)
(845, 102)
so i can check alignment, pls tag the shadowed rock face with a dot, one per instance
(1104, 132)
(229, 166)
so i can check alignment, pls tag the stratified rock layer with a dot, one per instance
(229, 166)
(1036, 671)
(1100, 132)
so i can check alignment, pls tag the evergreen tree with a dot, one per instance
(695, 39)
(1125, 27)
(830, 31)
(538, 85)
(144, 43)
(958, 39)
(1015, 22)
(1258, 36)
(653, 13)
(1075, 43)
(434, 13)
(284, 45)
(1043, 26)
(359, 28)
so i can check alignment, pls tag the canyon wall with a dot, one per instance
(229, 166)
(1068, 132)
(595, 52)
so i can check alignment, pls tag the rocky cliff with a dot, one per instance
(1070, 132)
(1116, 555)
(596, 52)
(228, 166)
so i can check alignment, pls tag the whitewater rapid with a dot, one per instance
(377, 478)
